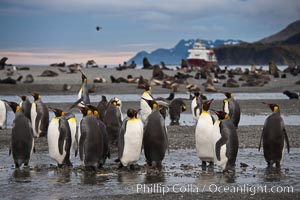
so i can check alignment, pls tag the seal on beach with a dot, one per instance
(176, 107)
(25, 106)
(203, 135)
(90, 140)
(130, 139)
(59, 138)
(39, 116)
(225, 141)
(3, 114)
(155, 139)
(144, 106)
(22, 140)
(232, 107)
(291, 95)
(274, 137)
(196, 105)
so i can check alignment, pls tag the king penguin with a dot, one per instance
(73, 128)
(274, 137)
(196, 105)
(22, 140)
(83, 94)
(225, 140)
(155, 138)
(59, 138)
(90, 140)
(203, 135)
(232, 107)
(130, 139)
(144, 106)
(104, 135)
(39, 116)
(176, 107)
(113, 120)
(25, 106)
(3, 114)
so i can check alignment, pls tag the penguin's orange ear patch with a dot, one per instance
(276, 108)
(226, 116)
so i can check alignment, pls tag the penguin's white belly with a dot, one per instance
(53, 136)
(72, 124)
(133, 139)
(33, 114)
(282, 154)
(145, 110)
(204, 138)
(2, 113)
(216, 137)
(193, 105)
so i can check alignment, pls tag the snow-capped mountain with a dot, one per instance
(177, 53)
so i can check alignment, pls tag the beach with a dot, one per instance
(181, 138)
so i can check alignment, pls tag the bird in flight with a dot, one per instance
(98, 28)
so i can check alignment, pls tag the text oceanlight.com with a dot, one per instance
(213, 188)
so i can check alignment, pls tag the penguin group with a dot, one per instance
(143, 130)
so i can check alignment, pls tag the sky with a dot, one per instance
(53, 31)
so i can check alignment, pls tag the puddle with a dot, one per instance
(45, 181)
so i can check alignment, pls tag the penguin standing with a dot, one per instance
(39, 116)
(225, 142)
(144, 106)
(83, 94)
(130, 139)
(155, 138)
(113, 120)
(3, 114)
(104, 135)
(232, 107)
(73, 128)
(176, 107)
(22, 140)
(203, 135)
(102, 107)
(274, 137)
(90, 141)
(26, 106)
(59, 138)
(196, 105)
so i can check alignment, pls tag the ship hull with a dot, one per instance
(200, 62)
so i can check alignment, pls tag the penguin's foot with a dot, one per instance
(211, 164)
(203, 165)
(131, 167)
(120, 166)
(277, 163)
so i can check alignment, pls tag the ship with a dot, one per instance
(199, 56)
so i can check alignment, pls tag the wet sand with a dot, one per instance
(180, 137)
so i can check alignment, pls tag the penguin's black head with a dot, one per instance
(85, 111)
(57, 112)
(206, 104)
(228, 94)
(115, 102)
(104, 98)
(273, 107)
(183, 107)
(14, 106)
(152, 103)
(197, 94)
(131, 113)
(147, 87)
(23, 98)
(221, 114)
(94, 110)
(83, 77)
(36, 96)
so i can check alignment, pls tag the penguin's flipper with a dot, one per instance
(77, 102)
(9, 151)
(62, 137)
(121, 139)
(286, 140)
(219, 144)
(261, 138)
(81, 143)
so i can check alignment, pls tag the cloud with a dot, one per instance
(38, 57)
